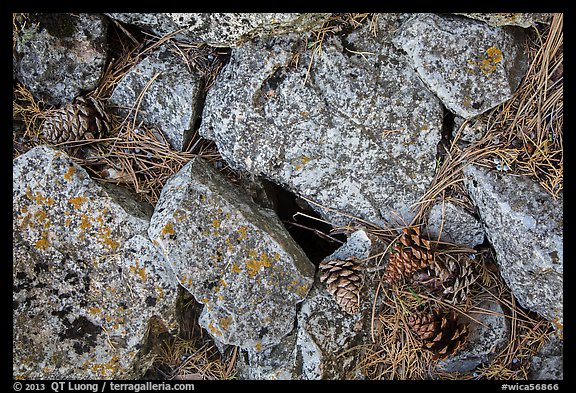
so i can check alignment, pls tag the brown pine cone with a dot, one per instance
(448, 278)
(343, 278)
(410, 253)
(440, 332)
(82, 119)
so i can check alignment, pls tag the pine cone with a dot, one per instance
(448, 278)
(82, 119)
(344, 281)
(411, 252)
(440, 332)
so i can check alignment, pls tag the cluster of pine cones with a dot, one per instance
(445, 277)
(412, 259)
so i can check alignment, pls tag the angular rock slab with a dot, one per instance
(471, 66)
(486, 338)
(60, 56)
(525, 226)
(233, 256)
(522, 19)
(360, 141)
(85, 280)
(313, 350)
(172, 95)
(454, 225)
(223, 30)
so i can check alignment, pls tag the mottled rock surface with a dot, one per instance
(60, 56)
(455, 225)
(233, 256)
(86, 281)
(361, 141)
(525, 226)
(488, 334)
(471, 66)
(522, 19)
(172, 95)
(223, 29)
(548, 363)
(314, 349)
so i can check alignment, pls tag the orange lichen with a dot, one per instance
(140, 271)
(77, 201)
(213, 329)
(94, 310)
(69, 173)
(243, 233)
(225, 322)
(255, 264)
(42, 243)
(85, 222)
(168, 229)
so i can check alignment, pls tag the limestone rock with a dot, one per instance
(59, 56)
(487, 336)
(471, 66)
(522, 19)
(455, 225)
(171, 103)
(233, 256)
(360, 141)
(313, 350)
(223, 29)
(86, 280)
(548, 363)
(525, 226)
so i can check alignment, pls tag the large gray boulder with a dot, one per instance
(471, 66)
(524, 224)
(86, 279)
(360, 140)
(60, 56)
(171, 98)
(316, 348)
(234, 257)
(223, 29)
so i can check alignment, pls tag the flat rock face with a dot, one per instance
(361, 140)
(524, 224)
(86, 282)
(487, 336)
(313, 350)
(171, 98)
(223, 29)
(59, 56)
(453, 224)
(522, 19)
(471, 66)
(233, 256)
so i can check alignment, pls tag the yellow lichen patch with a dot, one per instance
(213, 329)
(94, 310)
(187, 281)
(140, 271)
(68, 221)
(255, 264)
(225, 322)
(42, 243)
(107, 369)
(179, 215)
(216, 223)
(69, 173)
(258, 346)
(243, 231)
(168, 229)
(85, 222)
(489, 64)
(301, 290)
(236, 268)
(276, 256)
(77, 201)
(107, 240)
